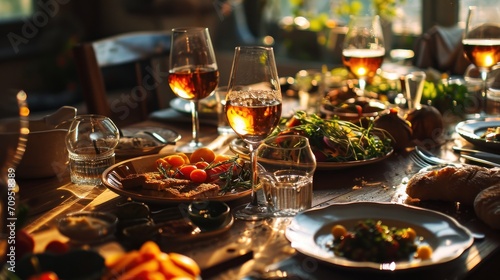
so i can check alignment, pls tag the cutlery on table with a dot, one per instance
(480, 160)
(431, 158)
(479, 156)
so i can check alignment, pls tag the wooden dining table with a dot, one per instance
(260, 249)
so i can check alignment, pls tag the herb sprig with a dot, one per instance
(338, 140)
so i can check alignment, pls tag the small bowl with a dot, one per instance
(208, 215)
(88, 226)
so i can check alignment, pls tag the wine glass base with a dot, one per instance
(251, 212)
(189, 147)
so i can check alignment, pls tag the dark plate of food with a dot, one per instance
(335, 143)
(436, 238)
(485, 134)
(139, 179)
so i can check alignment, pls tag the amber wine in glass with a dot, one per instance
(193, 73)
(253, 110)
(363, 51)
(481, 43)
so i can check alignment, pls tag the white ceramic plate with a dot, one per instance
(310, 231)
(111, 179)
(472, 130)
(146, 144)
(239, 147)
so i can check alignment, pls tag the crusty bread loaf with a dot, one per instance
(452, 183)
(487, 206)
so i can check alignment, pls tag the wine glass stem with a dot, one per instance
(196, 123)
(253, 160)
(362, 84)
(484, 92)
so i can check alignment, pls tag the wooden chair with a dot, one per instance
(137, 60)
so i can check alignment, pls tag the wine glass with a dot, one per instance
(193, 73)
(253, 110)
(481, 43)
(363, 49)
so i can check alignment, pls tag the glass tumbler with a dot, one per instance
(91, 142)
(286, 166)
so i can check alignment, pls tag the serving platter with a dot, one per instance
(139, 141)
(310, 232)
(471, 130)
(111, 180)
(239, 147)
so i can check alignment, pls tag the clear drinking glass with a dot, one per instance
(363, 49)
(253, 110)
(91, 142)
(286, 166)
(193, 73)
(414, 86)
(481, 43)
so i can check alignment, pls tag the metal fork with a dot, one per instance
(417, 159)
(424, 158)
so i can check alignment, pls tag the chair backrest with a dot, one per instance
(144, 52)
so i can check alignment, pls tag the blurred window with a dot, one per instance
(464, 8)
(408, 19)
(12, 10)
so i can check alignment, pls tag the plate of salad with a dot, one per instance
(400, 237)
(337, 144)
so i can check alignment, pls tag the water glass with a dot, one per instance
(286, 167)
(414, 86)
(223, 126)
(91, 142)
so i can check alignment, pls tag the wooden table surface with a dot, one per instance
(255, 247)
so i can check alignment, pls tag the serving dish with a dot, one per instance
(310, 232)
(140, 141)
(471, 130)
(173, 230)
(87, 226)
(111, 179)
(239, 147)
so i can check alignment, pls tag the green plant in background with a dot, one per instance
(447, 97)
(386, 9)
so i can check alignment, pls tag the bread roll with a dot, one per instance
(452, 183)
(487, 206)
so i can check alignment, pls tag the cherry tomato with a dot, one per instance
(215, 172)
(186, 170)
(201, 164)
(162, 162)
(175, 160)
(198, 176)
(56, 246)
